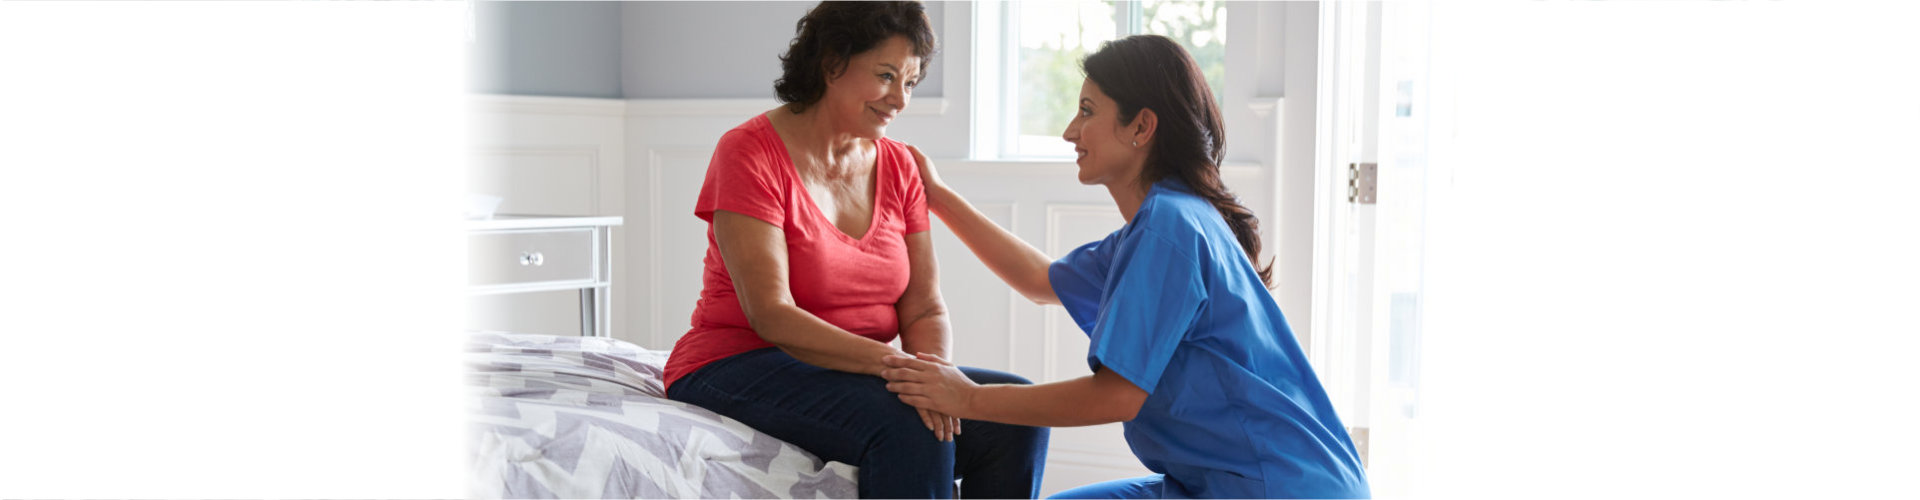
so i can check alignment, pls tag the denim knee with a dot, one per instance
(903, 459)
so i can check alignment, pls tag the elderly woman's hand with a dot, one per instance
(944, 427)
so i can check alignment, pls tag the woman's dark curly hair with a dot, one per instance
(833, 32)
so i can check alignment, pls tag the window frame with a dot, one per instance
(996, 91)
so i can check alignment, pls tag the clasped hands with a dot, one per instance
(932, 385)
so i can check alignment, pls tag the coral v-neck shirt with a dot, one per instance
(849, 282)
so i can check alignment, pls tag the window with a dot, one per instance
(1028, 54)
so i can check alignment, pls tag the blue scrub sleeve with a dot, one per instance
(1080, 278)
(1156, 296)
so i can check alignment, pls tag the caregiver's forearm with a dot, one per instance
(1101, 398)
(1019, 264)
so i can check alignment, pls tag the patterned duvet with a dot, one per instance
(585, 417)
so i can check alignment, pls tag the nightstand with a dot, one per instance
(536, 253)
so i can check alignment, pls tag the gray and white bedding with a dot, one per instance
(585, 417)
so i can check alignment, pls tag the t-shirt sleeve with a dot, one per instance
(1157, 294)
(914, 205)
(741, 179)
(1080, 278)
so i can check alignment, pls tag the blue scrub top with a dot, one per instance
(1171, 303)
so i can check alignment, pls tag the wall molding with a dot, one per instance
(524, 104)
(1056, 212)
(923, 106)
(1264, 107)
(545, 105)
(1013, 297)
(588, 153)
(654, 161)
(657, 157)
(1054, 168)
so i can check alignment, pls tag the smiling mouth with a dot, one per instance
(1079, 153)
(884, 116)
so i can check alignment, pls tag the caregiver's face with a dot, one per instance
(1100, 143)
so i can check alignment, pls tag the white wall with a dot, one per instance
(720, 50)
(560, 49)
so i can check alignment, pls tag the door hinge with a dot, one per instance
(1362, 182)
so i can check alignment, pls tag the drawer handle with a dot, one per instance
(532, 259)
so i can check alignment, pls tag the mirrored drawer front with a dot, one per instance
(530, 256)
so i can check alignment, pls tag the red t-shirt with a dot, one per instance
(850, 283)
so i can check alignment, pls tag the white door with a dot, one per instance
(1343, 132)
(1372, 132)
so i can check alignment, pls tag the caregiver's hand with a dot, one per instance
(929, 177)
(929, 382)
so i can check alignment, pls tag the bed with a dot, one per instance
(587, 417)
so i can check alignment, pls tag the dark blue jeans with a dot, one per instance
(851, 418)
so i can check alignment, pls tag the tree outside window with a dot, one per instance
(1053, 37)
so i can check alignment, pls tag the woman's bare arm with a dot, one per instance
(923, 320)
(923, 314)
(1019, 264)
(755, 254)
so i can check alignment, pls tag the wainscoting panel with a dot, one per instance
(1084, 454)
(552, 180)
(980, 307)
(1064, 345)
(678, 238)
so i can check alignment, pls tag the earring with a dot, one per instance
(1136, 144)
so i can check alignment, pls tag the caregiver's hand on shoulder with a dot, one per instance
(929, 177)
(929, 382)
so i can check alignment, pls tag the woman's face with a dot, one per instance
(873, 89)
(1102, 145)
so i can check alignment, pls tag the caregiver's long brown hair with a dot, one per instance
(1153, 72)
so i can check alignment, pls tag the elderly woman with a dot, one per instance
(818, 257)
